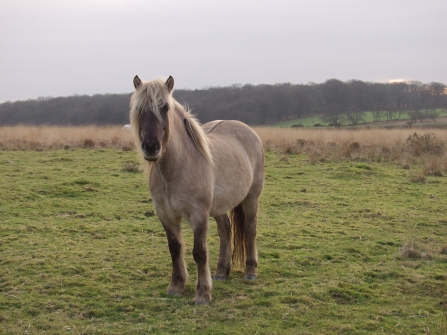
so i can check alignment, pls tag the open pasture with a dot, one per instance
(347, 245)
(368, 121)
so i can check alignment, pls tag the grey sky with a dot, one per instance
(60, 48)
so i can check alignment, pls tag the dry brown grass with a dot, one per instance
(413, 250)
(443, 250)
(402, 146)
(392, 145)
(53, 137)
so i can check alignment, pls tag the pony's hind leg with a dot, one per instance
(224, 230)
(250, 206)
(177, 250)
(200, 254)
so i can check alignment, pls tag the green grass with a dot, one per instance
(304, 121)
(310, 121)
(83, 253)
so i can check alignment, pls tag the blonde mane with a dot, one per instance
(194, 129)
(154, 94)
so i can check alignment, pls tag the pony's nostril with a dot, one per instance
(151, 149)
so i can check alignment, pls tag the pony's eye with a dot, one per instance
(164, 108)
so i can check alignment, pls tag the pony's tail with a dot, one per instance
(237, 218)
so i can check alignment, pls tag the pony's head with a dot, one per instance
(153, 112)
(149, 106)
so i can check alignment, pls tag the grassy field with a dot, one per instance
(346, 246)
(368, 120)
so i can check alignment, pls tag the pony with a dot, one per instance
(197, 172)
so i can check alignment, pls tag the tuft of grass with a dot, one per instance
(315, 155)
(351, 149)
(434, 165)
(410, 250)
(89, 143)
(331, 144)
(418, 177)
(131, 167)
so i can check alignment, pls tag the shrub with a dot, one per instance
(351, 148)
(88, 143)
(422, 144)
(331, 144)
(301, 142)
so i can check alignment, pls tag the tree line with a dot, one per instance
(335, 101)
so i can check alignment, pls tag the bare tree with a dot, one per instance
(361, 101)
(382, 101)
(437, 90)
(303, 104)
(337, 97)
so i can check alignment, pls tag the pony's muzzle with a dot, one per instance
(151, 153)
(151, 158)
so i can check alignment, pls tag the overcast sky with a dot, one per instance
(61, 48)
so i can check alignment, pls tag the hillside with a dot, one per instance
(404, 120)
(334, 102)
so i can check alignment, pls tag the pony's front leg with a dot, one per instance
(200, 254)
(177, 250)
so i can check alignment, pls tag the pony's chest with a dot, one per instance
(175, 200)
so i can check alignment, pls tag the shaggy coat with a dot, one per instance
(196, 172)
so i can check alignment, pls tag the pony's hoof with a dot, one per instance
(176, 289)
(202, 303)
(204, 299)
(223, 278)
(175, 293)
(250, 277)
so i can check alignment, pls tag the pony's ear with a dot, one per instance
(137, 82)
(170, 84)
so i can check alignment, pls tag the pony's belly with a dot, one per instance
(225, 201)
